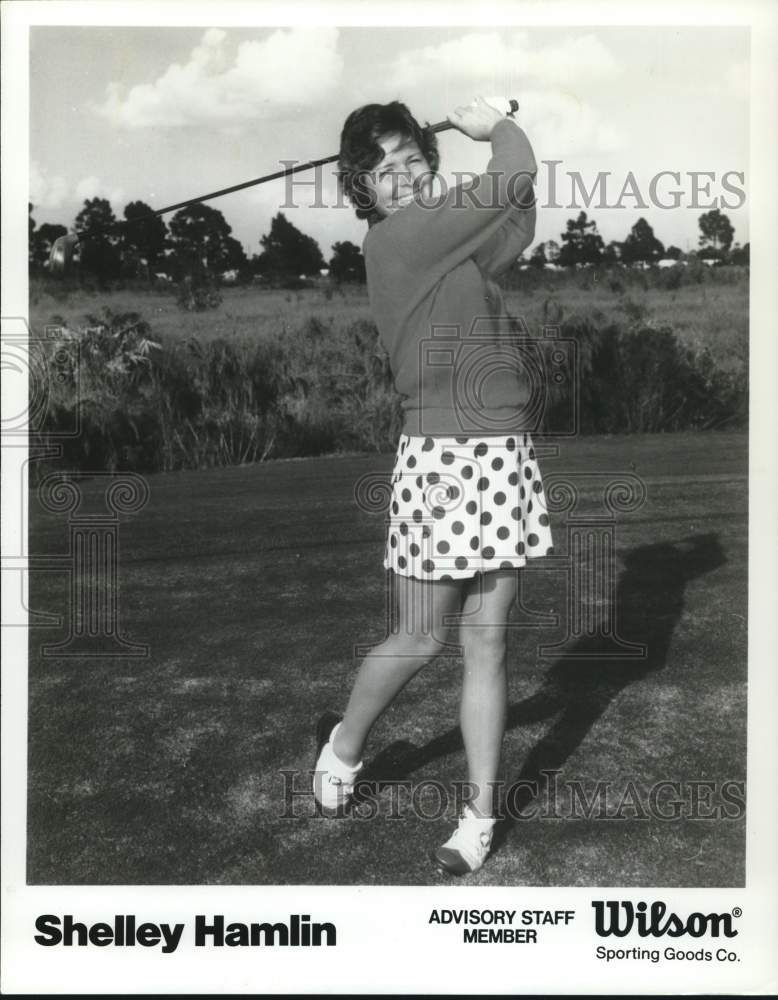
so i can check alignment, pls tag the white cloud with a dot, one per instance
(507, 55)
(290, 67)
(93, 187)
(559, 125)
(549, 81)
(46, 191)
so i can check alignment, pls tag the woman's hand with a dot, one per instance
(476, 120)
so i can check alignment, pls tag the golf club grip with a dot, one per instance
(507, 105)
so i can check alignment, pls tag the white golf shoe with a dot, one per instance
(333, 781)
(467, 849)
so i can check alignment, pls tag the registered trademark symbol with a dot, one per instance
(737, 912)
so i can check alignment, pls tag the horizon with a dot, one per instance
(174, 97)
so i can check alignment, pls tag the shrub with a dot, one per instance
(341, 374)
(100, 380)
(642, 380)
(636, 311)
(197, 296)
(671, 279)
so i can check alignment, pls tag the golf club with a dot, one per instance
(63, 248)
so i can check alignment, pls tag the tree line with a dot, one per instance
(581, 244)
(198, 244)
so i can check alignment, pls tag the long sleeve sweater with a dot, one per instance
(439, 314)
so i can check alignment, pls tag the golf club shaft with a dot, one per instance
(511, 106)
(310, 165)
(62, 249)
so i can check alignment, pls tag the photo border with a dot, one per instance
(386, 942)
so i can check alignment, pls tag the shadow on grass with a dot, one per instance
(648, 603)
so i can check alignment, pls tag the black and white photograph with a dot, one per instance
(387, 533)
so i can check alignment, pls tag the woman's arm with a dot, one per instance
(511, 239)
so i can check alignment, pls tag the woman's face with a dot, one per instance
(402, 175)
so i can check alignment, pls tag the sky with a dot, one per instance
(161, 114)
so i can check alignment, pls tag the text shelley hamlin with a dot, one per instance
(126, 931)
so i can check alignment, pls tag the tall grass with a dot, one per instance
(148, 406)
(147, 403)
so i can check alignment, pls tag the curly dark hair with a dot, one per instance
(360, 151)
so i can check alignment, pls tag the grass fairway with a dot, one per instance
(251, 586)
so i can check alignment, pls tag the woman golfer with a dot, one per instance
(467, 506)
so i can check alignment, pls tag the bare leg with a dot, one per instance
(389, 666)
(487, 602)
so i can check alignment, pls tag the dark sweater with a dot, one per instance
(429, 272)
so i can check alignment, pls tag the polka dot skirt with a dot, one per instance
(462, 506)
